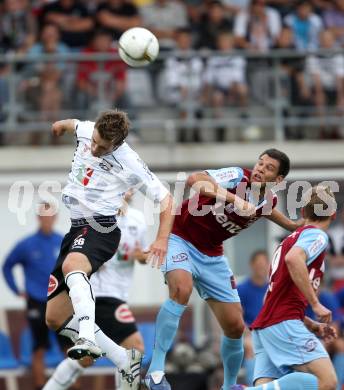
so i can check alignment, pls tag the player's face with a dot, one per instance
(266, 170)
(99, 146)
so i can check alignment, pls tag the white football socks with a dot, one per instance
(81, 295)
(113, 351)
(65, 374)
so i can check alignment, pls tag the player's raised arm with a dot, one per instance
(296, 263)
(66, 125)
(283, 221)
(215, 183)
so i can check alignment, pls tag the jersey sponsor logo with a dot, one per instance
(53, 284)
(227, 224)
(180, 257)
(310, 345)
(123, 314)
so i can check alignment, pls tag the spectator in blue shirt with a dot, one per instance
(252, 292)
(37, 255)
(336, 347)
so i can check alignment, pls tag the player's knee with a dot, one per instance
(76, 262)
(234, 330)
(181, 293)
(328, 383)
(52, 322)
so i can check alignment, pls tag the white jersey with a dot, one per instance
(96, 185)
(113, 278)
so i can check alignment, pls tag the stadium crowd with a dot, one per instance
(227, 79)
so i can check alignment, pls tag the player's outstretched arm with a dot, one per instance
(296, 263)
(206, 185)
(158, 249)
(283, 221)
(60, 127)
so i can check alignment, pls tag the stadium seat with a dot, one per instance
(52, 357)
(7, 358)
(147, 329)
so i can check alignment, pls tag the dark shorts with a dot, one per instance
(115, 319)
(36, 320)
(99, 247)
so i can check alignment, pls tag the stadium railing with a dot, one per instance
(156, 115)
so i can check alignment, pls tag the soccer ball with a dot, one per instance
(138, 47)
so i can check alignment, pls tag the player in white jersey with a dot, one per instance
(111, 284)
(103, 169)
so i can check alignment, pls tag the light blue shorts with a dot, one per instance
(211, 274)
(279, 347)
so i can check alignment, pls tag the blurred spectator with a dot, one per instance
(284, 7)
(213, 22)
(225, 78)
(252, 292)
(334, 20)
(336, 252)
(336, 347)
(37, 255)
(321, 6)
(306, 26)
(163, 18)
(236, 6)
(257, 28)
(73, 20)
(183, 78)
(18, 26)
(42, 80)
(294, 67)
(327, 75)
(97, 78)
(116, 16)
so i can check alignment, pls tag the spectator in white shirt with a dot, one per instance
(258, 27)
(326, 73)
(225, 78)
(184, 80)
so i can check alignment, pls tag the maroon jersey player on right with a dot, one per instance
(288, 353)
(195, 254)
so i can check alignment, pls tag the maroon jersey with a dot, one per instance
(216, 222)
(284, 301)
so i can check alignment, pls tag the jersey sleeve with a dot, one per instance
(227, 178)
(313, 242)
(137, 174)
(16, 256)
(84, 129)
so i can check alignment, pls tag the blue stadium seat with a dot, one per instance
(7, 358)
(147, 329)
(52, 357)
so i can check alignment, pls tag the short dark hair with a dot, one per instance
(113, 125)
(255, 254)
(282, 158)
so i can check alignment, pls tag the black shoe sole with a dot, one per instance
(77, 354)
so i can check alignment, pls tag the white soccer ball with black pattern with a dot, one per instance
(138, 47)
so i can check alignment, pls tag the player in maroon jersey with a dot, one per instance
(225, 203)
(289, 356)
